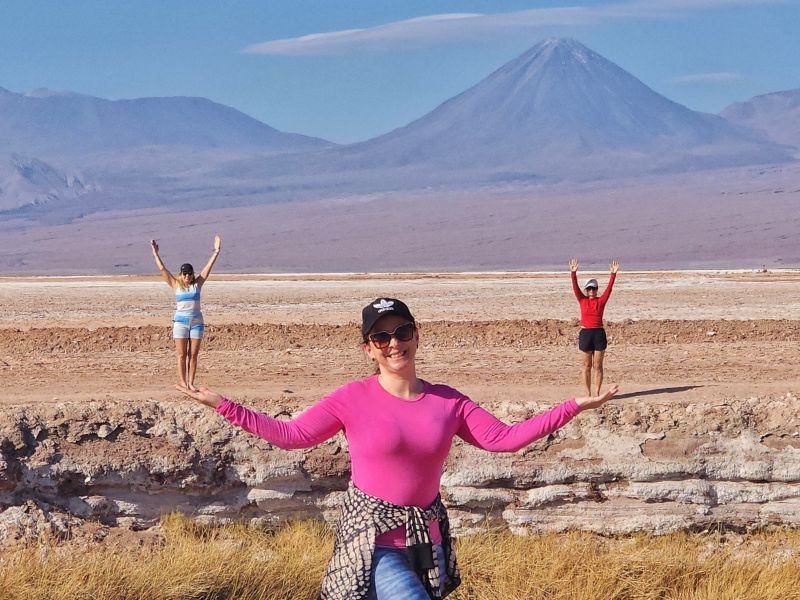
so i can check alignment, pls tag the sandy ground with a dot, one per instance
(675, 336)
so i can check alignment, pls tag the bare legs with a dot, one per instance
(194, 350)
(597, 371)
(181, 351)
(186, 352)
(592, 368)
(586, 371)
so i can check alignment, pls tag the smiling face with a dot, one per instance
(187, 278)
(591, 292)
(399, 356)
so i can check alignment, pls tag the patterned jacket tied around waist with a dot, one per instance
(363, 519)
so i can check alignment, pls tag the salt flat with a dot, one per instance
(145, 300)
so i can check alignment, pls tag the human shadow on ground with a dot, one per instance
(668, 390)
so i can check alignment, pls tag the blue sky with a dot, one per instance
(349, 70)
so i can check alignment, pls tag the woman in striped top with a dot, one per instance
(187, 323)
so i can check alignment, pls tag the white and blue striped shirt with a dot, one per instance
(187, 302)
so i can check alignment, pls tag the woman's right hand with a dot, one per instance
(154, 246)
(203, 395)
(573, 265)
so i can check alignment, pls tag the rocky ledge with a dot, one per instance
(69, 468)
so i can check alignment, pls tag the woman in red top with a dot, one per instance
(592, 338)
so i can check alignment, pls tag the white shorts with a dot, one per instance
(187, 328)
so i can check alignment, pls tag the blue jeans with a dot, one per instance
(394, 579)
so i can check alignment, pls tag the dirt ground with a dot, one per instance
(674, 336)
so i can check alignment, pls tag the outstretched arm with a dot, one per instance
(573, 268)
(308, 429)
(160, 264)
(609, 287)
(597, 401)
(210, 264)
(482, 429)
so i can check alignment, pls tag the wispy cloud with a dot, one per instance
(421, 29)
(432, 30)
(712, 78)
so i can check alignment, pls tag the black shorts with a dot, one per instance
(590, 340)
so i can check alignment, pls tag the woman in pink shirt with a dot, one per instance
(592, 340)
(393, 538)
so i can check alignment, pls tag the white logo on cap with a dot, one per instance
(384, 305)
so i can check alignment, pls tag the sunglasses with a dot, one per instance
(187, 273)
(402, 333)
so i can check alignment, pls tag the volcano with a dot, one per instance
(561, 110)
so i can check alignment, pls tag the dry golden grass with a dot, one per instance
(579, 566)
(193, 563)
(235, 562)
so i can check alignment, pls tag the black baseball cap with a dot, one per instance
(381, 307)
(187, 268)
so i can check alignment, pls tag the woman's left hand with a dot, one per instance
(217, 243)
(614, 266)
(202, 395)
(598, 401)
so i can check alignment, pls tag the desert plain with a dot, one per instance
(719, 334)
(705, 430)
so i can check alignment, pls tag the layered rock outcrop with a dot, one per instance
(644, 466)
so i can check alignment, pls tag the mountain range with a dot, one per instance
(558, 113)
(777, 116)
(51, 124)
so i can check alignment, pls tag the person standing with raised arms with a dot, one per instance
(592, 341)
(393, 537)
(187, 323)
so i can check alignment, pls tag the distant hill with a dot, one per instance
(777, 115)
(140, 152)
(45, 123)
(29, 181)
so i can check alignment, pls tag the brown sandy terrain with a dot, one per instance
(707, 334)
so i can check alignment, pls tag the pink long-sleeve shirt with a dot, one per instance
(398, 447)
